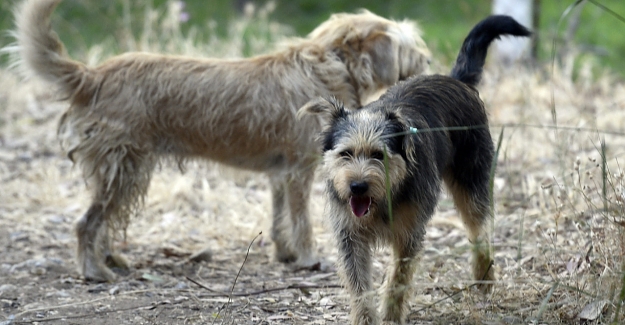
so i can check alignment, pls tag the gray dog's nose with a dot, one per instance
(359, 188)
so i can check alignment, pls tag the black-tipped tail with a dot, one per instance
(470, 61)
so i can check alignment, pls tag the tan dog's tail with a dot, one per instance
(40, 50)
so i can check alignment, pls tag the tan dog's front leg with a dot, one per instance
(281, 227)
(301, 239)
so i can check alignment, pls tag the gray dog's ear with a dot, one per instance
(328, 108)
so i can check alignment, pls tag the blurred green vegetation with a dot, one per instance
(83, 23)
(446, 23)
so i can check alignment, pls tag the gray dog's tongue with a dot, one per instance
(360, 205)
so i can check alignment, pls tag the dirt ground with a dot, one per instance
(558, 257)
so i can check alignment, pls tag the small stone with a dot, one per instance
(593, 310)
(7, 288)
(8, 303)
(98, 288)
(25, 157)
(56, 219)
(56, 260)
(114, 290)
(18, 236)
(181, 298)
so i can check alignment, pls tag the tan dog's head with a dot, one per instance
(378, 52)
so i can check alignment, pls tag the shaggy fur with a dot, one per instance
(376, 150)
(135, 108)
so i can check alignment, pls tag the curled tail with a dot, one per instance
(470, 61)
(41, 52)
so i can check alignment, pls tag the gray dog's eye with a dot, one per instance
(378, 155)
(346, 154)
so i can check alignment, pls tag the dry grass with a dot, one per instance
(558, 235)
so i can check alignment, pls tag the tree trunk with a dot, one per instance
(509, 50)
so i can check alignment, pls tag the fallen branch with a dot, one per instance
(453, 294)
(299, 286)
(94, 314)
(236, 278)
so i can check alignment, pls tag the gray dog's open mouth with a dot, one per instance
(360, 205)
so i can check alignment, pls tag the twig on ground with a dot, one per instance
(97, 313)
(543, 305)
(60, 306)
(453, 294)
(260, 292)
(236, 278)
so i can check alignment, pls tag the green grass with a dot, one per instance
(82, 24)
(445, 23)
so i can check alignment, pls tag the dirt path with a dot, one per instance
(553, 257)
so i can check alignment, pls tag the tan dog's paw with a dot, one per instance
(117, 261)
(285, 255)
(98, 272)
(203, 255)
(313, 264)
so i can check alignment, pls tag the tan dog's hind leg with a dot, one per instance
(112, 259)
(92, 234)
(119, 180)
(95, 251)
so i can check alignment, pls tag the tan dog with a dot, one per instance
(135, 108)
